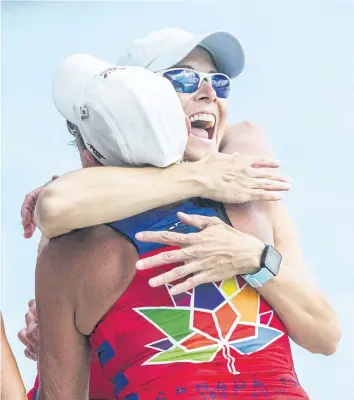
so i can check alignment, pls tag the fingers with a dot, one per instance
(262, 179)
(32, 305)
(264, 195)
(257, 162)
(30, 338)
(265, 174)
(31, 356)
(168, 257)
(29, 229)
(165, 237)
(30, 318)
(33, 309)
(31, 353)
(271, 185)
(27, 205)
(175, 274)
(32, 335)
(27, 210)
(26, 215)
(198, 221)
(22, 336)
(189, 283)
(264, 162)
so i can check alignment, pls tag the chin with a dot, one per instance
(198, 148)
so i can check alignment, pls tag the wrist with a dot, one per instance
(204, 179)
(269, 267)
(254, 264)
(188, 178)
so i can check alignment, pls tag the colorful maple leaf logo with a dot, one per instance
(212, 318)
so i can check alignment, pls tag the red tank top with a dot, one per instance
(219, 341)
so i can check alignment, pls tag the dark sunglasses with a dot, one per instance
(186, 80)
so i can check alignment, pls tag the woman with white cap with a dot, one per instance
(207, 95)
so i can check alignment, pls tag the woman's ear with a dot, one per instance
(88, 160)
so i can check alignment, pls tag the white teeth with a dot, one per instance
(203, 117)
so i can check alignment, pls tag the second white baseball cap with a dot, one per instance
(164, 48)
(126, 116)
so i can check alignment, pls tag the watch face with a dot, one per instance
(271, 260)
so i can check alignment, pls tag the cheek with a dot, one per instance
(184, 98)
(223, 106)
(223, 113)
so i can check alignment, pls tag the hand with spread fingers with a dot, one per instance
(216, 252)
(239, 178)
(29, 335)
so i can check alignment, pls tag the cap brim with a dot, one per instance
(227, 52)
(70, 80)
(225, 49)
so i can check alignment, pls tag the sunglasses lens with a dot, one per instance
(183, 80)
(221, 85)
(187, 81)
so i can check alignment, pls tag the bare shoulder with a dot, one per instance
(254, 218)
(78, 251)
(246, 128)
(105, 278)
(93, 266)
(246, 137)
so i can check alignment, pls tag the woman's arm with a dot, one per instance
(11, 385)
(92, 196)
(219, 252)
(309, 319)
(97, 195)
(64, 354)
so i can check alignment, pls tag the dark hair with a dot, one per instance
(78, 140)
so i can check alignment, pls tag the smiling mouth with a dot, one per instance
(203, 125)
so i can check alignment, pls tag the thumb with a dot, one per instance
(28, 231)
(198, 221)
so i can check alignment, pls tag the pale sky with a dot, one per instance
(298, 84)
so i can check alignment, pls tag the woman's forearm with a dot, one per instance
(308, 318)
(93, 196)
(86, 197)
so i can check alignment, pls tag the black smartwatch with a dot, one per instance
(269, 268)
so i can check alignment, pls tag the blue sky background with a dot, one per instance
(298, 84)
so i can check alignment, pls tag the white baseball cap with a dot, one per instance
(126, 116)
(165, 48)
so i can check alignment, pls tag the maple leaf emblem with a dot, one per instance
(214, 317)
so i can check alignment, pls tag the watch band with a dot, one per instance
(259, 278)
